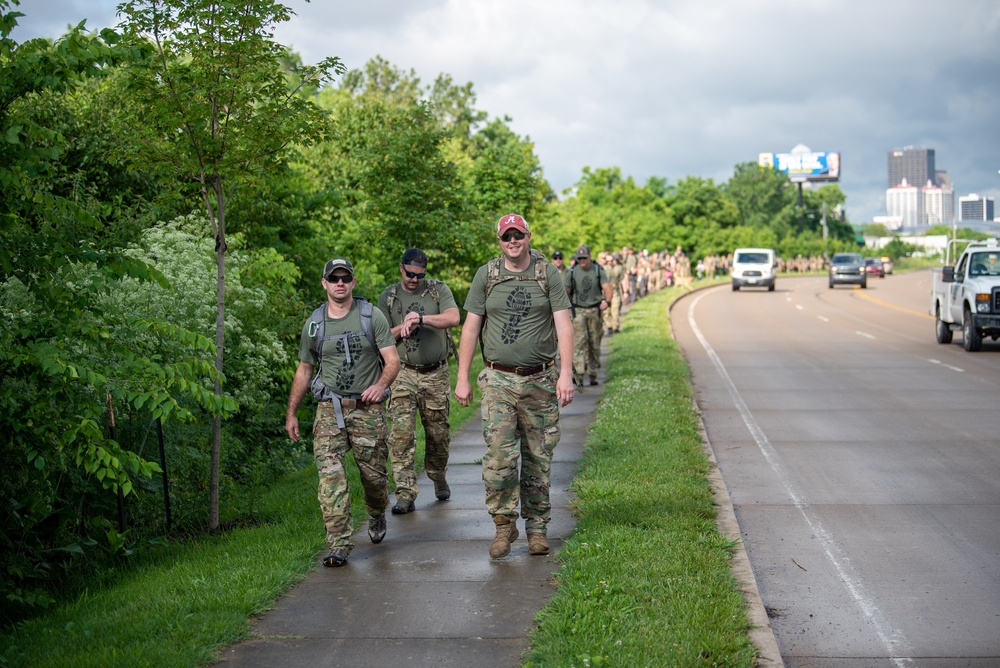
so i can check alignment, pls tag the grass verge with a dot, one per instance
(645, 577)
(181, 602)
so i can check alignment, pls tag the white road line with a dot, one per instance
(947, 366)
(823, 318)
(865, 334)
(892, 639)
(800, 307)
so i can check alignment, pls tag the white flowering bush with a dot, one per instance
(261, 308)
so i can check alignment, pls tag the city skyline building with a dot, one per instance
(939, 204)
(905, 202)
(914, 165)
(918, 194)
(975, 208)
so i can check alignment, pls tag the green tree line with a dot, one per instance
(169, 191)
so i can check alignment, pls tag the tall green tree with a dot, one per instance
(760, 193)
(64, 354)
(213, 110)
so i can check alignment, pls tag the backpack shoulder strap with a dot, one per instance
(432, 290)
(317, 331)
(541, 270)
(366, 309)
(391, 297)
(493, 274)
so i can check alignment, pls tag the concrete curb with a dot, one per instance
(761, 632)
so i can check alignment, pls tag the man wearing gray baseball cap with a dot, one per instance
(349, 345)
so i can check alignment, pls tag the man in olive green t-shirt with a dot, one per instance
(351, 385)
(518, 303)
(420, 311)
(589, 291)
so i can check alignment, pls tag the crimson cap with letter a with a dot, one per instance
(511, 221)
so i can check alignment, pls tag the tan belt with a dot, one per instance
(339, 404)
(520, 370)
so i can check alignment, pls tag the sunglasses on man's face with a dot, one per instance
(339, 278)
(410, 274)
(513, 235)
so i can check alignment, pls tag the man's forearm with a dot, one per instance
(300, 385)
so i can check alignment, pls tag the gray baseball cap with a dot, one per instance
(337, 263)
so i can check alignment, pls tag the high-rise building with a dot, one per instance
(973, 207)
(916, 165)
(906, 202)
(939, 204)
(919, 193)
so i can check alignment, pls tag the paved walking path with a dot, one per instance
(429, 594)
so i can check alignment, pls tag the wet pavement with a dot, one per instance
(429, 594)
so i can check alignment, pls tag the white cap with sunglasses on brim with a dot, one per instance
(511, 221)
(337, 263)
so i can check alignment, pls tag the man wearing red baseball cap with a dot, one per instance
(519, 304)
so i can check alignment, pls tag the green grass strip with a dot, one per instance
(645, 578)
(185, 600)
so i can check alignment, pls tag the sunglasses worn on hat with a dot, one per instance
(513, 235)
(410, 274)
(339, 278)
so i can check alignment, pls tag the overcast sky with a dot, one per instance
(679, 88)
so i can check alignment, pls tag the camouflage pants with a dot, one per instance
(430, 394)
(613, 314)
(520, 419)
(587, 334)
(365, 436)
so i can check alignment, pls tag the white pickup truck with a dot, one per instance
(967, 295)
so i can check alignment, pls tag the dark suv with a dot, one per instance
(848, 268)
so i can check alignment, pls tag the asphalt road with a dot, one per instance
(863, 462)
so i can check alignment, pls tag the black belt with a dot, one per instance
(597, 305)
(520, 370)
(425, 368)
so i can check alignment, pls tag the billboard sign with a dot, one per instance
(804, 166)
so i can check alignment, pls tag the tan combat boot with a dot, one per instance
(506, 534)
(538, 543)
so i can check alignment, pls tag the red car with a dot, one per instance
(874, 267)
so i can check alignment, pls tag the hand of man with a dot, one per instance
(410, 324)
(564, 389)
(374, 394)
(292, 427)
(463, 391)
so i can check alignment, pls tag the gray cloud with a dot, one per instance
(681, 88)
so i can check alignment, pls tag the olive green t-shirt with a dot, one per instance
(427, 345)
(615, 273)
(585, 284)
(345, 373)
(519, 329)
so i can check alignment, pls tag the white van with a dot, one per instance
(753, 267)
